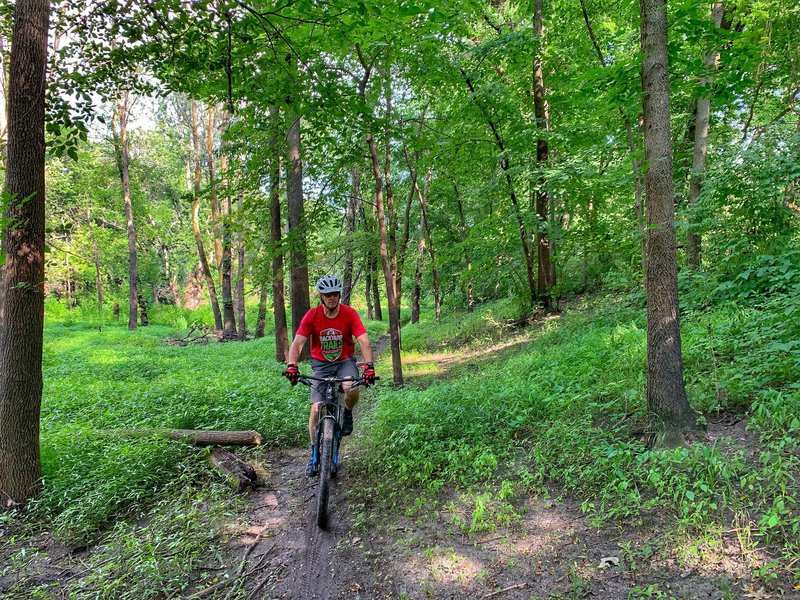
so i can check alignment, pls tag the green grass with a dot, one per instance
(567, 406)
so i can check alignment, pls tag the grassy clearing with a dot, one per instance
(568, 407)
(153, 507)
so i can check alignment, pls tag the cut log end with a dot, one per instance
(241, 475)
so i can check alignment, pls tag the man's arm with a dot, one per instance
(366, 349)
(297, 347)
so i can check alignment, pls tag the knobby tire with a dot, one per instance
(326, 459)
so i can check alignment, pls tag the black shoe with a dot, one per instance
(312, 468)
(347, 423)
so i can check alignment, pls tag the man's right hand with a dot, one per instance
(292, 373)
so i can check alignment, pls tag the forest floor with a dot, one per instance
(538, 544)
(548, 549)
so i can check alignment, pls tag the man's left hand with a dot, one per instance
(368, 377)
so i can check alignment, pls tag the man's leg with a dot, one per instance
(351, 394)
(313, 418)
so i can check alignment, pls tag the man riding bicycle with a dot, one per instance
(331, 327)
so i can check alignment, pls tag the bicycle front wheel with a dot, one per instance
(326, 458)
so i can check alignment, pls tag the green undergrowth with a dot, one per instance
(458, 328)
(103, 385)
(569, 407)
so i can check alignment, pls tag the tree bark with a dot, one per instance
(350, 225)
(216, 225)
(666, 394)
(298, 258)
(198, 437)
(261, 319)
(226, 266)
(123, 165)
(505, 165)
(240, 305)
(198, 237)
(426, 228)
(462, 226)
(278, 299)
(702, 119)
(417, 291)
(546, 274)
(386, 259)
(22, 285)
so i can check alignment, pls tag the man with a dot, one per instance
(331, 327)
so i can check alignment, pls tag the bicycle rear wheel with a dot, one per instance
(326, 458)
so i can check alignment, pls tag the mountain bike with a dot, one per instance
(328, 436)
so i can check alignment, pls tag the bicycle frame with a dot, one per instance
(330, 408)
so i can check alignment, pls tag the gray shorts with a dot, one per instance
(321, 368)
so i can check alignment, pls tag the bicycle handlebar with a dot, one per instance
(307, 379)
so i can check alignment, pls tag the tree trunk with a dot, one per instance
(426, 228)
(693, 248)
(417, 291)
(261, 320)
(367, 264)
(69, 277)
(97, 273)
(666, 394)
(376, 288)
(123, 164)
(22, 286)
(391, 291)
(350, 224)
(226, 266)
(368, 290)
(142, 305)
(505, 165)
(386, 259)
(545, 279)
(240, 306)
(216, 225)
(278, 300)
(462, 226)
(298, 258)
(635, 163)
(198, 237)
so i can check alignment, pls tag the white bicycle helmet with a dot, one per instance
(329, 284)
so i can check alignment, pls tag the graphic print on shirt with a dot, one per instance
(332, 342)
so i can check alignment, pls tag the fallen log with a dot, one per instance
(199, 437)
(240, 474)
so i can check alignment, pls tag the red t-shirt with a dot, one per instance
(331, 339)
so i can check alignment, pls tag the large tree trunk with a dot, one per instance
(198, 237)
(693, 248)
(22, 284)
(350, 224)
(391, 290)
(546, 274)
(386, 259)
(278, 300)
(123, 164)
(298, 258)
(666, 394)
